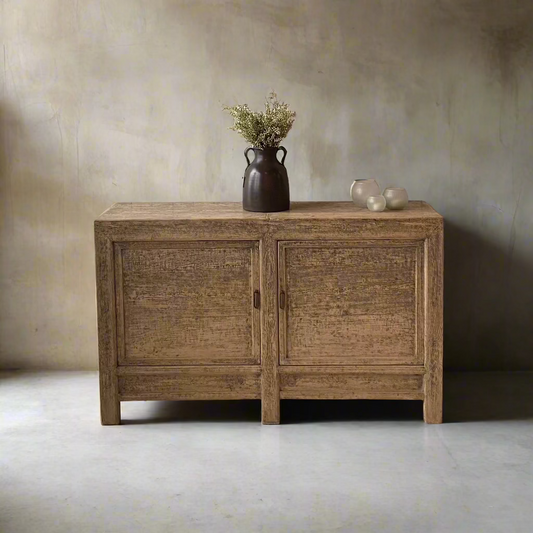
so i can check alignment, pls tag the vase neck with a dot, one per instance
(269, 152)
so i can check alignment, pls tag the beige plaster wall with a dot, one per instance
(120, 100)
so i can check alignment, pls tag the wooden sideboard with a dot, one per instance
(201, 301)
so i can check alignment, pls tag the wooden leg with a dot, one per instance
(433, 401)
(269, 336)
(270, 405)
(110, 413)
(109, 402)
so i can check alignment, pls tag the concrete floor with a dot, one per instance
(332, 466)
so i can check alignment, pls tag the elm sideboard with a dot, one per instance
(200, 301)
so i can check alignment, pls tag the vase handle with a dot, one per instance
(246, 154)
(284, 153)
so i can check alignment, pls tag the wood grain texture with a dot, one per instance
(433, 385)
(353, 369)
(182, 230)
(351, 302)
(353, 229)
(362, 315)
(340, 383)
(190, 383)
(347, 210)
(154, 211)
(270, 406)
(188, 211)
(188, 303)
(107, 333)
(305, 220)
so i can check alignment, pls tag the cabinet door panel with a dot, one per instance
(353, 302)
(188, 303)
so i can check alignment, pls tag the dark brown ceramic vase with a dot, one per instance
(266, 184)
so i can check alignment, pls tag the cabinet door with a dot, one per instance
(187, 303)
(348, 303)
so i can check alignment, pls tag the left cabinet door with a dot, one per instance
(188, 303)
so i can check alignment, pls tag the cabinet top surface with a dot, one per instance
(234, 211)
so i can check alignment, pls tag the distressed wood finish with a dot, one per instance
(188, 303)
(107, 331)
(233, 211)
(270, 408)
(351, 302)
(190, 383)
(207, 301)
(330, 383)
(434, 265)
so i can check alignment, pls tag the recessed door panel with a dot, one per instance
(351, 302)
(187, 303)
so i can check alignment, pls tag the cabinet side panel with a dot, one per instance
(434, 328)
(107, 352)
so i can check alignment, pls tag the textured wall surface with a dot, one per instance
(120, 100)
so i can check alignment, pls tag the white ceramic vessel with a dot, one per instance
(396, 197)
(362, 189)
(376, 203)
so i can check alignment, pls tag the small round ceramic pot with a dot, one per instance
(396, 197)
(362, 189)
(376, 203)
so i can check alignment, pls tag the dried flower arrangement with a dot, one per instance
(263, 129)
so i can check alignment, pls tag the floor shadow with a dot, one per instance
(191, 411)
(310, 411)
(468, 397)
(292, 411)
